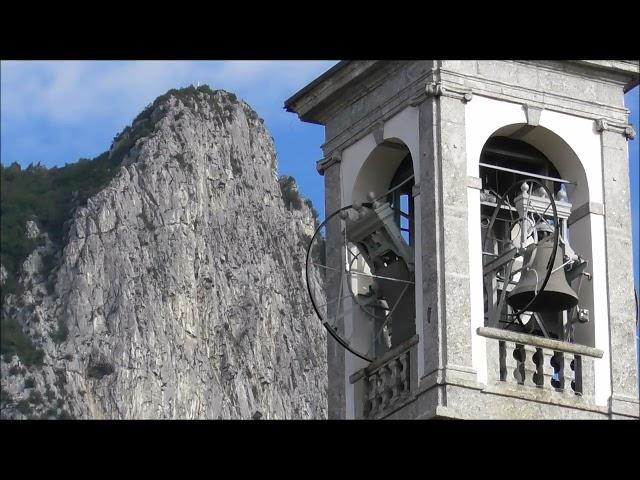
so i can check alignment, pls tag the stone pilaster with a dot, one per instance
(432, 262)
(454, 245)
(335, 352)
(447, 330)
(624, 387)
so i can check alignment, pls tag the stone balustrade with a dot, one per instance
(543, 363)
(387, 382)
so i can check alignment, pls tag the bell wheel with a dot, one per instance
(343, 286)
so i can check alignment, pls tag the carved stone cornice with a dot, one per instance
(328, 161)
(602, 124)
(519, 93)
(413, 96)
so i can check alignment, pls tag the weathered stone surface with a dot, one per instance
(181, 286)
(32, 230)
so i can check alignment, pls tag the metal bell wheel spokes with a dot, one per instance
(350, 286)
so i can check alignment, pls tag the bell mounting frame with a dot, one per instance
(505, 260)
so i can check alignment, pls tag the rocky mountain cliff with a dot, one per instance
(178, 289)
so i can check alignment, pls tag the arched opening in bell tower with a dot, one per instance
(536, 241)
(385, 181)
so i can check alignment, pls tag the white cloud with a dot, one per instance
(74, 92)
(58, 111)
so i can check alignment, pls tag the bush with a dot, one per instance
(13, 341)
(35, 398)
(99, 370)
(29, 383)
(290, 195)
(23, 407)
(318, 253)
(64, 415)
(5, 397)
(314, 212)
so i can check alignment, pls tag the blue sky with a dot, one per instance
(56, 112)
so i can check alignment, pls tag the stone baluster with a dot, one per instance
(548, 371)
(502, 360)
(538, 360)
(386, 374)
(530, 366)
(404, 379)
(510, 362)
(395, 379)
(576, 367)
(520, 356)
(373, 394)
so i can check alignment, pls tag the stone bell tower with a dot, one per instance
(479, 211)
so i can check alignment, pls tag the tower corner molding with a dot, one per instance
(323, 164)
(434, 89)
(602, 124)
(629, 132)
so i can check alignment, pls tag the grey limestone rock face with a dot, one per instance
(180, 292)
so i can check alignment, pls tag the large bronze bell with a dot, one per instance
(557, 295)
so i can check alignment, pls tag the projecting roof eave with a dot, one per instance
(626, 68)
(307, 88)
(311, 102)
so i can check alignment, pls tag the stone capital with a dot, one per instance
(602, 124)
(433, 89)
(326, 162)
(441, 88)
(629, 132)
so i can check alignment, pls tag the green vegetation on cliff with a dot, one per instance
(13, 341)
(49, 196)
